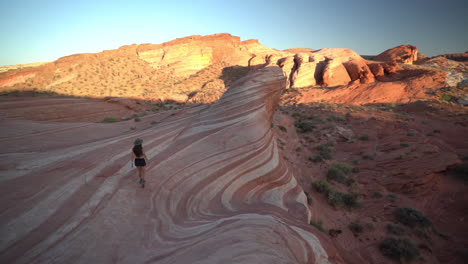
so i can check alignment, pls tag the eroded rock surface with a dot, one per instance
(401, 54)
(217, 188)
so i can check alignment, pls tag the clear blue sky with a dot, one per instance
(45, 30)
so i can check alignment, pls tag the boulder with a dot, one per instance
(402, 54)
(391, 67)
(377, 69)
(335, 74)
(303, 72)
(358, 70)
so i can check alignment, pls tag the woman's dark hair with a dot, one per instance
(138, 150)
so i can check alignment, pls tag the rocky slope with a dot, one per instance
(171, 70)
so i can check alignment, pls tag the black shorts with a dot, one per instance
(140, 162)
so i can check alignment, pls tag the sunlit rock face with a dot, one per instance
(401, 54)
(217, 189)
(325, 67)
(188, 55)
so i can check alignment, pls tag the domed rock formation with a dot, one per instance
(402, 54)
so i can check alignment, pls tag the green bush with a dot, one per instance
(322, 186)
(334, 197)
(325, 151)
(303, 126)
(336, 175)
(110, 120)
(338, 172)
(319, 225)
(412, 217)
(316, 159)
(335, 118)
(446, 98)
(399, 249)
(340, 199)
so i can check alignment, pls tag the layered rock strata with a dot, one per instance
(217, 189)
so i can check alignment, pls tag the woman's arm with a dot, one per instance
(132, 159)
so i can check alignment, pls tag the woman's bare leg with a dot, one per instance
(139, 172)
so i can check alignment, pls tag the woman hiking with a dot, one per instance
(139, 156)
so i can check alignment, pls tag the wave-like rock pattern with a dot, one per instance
(218, 190)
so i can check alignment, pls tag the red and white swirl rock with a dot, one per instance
(217, 189)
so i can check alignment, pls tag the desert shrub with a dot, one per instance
(334, 197)
(355, 170)
(137, 119)
(342, 167)
(446, 98)
(282, 128)
(364, 138)
(336, 175)
(356, 227)
(319, 225)
(338, 172)
(396, 229)
(399, 249)
(412, 217)
(296, 115)
(322, 186)
(325, 151)
(404, 145)
(335, 118)
(350, 200)
(304, 126)
(368, 157)
(316, 158)
(340, 199)
(110, 120)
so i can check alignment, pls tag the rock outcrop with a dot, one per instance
(327, 68)
(402, 54)
(147, 71)
(217, 188)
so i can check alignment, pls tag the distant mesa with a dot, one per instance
(199, 69)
